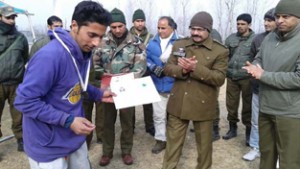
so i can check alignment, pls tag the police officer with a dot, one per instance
(198, 64)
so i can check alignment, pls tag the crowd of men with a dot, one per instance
(52, 99)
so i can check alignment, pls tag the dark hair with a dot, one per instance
(245, 17)
(89, 11)
(270, 14)
(53, 19)
(170, 20)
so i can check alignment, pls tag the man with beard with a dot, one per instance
(139, 29)
(198, 64)
(13, 57)
(120, 52)
(238, 80)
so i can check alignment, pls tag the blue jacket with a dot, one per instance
(163, 84)
(49, 94)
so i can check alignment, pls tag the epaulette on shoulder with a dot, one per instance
(181, 39)
(216, 41)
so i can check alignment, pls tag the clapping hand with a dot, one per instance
(187, 64)
(255, 70)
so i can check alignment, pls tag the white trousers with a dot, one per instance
(76, 160)
(160, 118)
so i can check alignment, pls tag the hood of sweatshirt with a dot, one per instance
(73, 46)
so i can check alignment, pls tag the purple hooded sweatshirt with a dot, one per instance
(49, 94)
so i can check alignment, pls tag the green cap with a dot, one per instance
(117, 16)
(290, 7)
(138, 14)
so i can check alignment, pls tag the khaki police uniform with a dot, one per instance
(194, 98)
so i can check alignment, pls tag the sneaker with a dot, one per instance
(158, 147)
(20, 145)
(252, 154)
(277, 164)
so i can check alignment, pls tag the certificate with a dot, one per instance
(107, 79)
(132, 92)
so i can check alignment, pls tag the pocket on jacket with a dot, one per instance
(43, 134)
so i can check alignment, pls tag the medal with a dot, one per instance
(83, 84)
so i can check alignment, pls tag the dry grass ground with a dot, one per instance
(226, 154)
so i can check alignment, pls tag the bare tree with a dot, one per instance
(182, 15)
(151, 19)
(220, 15)
(252, 8)
(230, 6)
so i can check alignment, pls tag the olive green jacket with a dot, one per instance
(38, 45)
(239, 49)
(13, 55)
(194, 96)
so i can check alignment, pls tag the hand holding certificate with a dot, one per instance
(132, 92)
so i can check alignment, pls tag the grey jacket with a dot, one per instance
(279, 56)
(255, 47)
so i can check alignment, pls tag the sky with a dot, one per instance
(42, 9)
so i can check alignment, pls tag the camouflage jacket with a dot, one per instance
(129, 56)
(145, 35)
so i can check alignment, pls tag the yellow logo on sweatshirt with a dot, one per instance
(74, 94)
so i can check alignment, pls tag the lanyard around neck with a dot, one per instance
(85, 83)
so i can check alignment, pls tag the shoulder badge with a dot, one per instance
(180, 52)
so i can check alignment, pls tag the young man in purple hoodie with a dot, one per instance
(51, 94)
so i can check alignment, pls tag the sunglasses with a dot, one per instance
(13, 17)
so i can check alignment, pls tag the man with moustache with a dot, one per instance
(277, 67)
(198, 64)
(120, 52)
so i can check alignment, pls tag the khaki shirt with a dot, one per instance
(194, 96)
